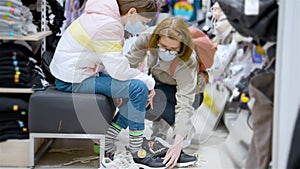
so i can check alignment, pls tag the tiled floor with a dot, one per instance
(65, 150)
(211, 151)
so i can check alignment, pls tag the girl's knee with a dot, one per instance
(139, 87)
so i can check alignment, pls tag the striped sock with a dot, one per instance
(135, 141)
(110, 138)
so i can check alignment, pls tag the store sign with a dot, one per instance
(184, 9)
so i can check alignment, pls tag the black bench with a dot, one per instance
(55, 114)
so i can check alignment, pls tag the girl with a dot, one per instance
(89, 59)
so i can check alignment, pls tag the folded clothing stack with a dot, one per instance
(13, 119)
(18, 69)
(15, 19)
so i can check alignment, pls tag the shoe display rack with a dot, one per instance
(15, 153)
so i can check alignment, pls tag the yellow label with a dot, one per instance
(9, 4)
(15, 108)
(260, 50)
(142, 153)
(24, 129)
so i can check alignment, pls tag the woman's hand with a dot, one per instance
(173, 153)
(151, 94)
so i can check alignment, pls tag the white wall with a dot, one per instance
(287, 80)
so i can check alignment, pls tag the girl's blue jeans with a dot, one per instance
(134, 94)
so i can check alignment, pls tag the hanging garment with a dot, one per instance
(262, 26)
(294, 156)
(57, 22)
(261, 88)
(220, 25)
(72, 11)
(222, 58)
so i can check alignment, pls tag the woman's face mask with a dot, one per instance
(166, 56)
(168, 48)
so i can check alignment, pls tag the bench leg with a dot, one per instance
(31, 151)
(102, 148)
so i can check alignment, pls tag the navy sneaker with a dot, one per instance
(159, 148)
(144, 159)
(186, 160)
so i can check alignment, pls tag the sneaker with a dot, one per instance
(159, 148)
(121, 161)
(109, 155)
(184, 160)
(144, 159)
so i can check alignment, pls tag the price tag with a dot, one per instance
(251, 7)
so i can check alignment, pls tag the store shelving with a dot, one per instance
(34, 37)
(15, 153)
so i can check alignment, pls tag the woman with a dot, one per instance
(170, 41)
(89, 59)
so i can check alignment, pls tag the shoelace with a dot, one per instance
(125, 160)
(200, 161)
(129, 158)
(158, 147)
(124, 164)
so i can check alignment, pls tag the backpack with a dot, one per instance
(205, 51)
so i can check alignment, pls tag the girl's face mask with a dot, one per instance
(136, 24)
(136, 28)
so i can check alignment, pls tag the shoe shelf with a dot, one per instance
(34, 37)
(16, 90)
(15, 153)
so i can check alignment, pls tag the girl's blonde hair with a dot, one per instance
(174, 28)
(145, 8)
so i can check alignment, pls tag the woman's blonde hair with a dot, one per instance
(145, 8)
(174, 28)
